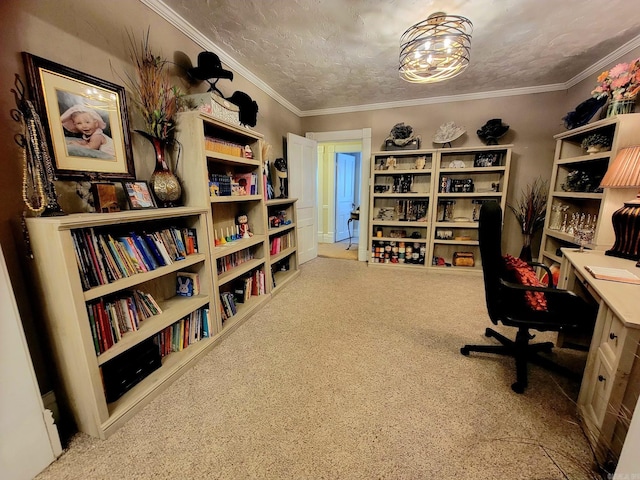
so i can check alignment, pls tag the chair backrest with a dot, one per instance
(489, 238)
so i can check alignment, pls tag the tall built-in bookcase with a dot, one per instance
(212, 152)
(67, 286)
(424, 210)
(583, 197)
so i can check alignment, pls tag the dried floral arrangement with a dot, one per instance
(595, 140)
(155, 97)
(531, 207)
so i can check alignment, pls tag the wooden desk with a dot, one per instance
(611, 380)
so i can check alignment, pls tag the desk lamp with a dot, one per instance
(624, 172)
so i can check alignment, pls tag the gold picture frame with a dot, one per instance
(85, 119)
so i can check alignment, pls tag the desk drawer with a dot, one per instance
(613, 338)
(599, 391)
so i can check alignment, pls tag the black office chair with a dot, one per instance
(506, 304)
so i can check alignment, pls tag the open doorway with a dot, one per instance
(353, 142)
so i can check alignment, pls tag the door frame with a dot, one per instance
(364, 136)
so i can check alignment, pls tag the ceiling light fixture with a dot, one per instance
(435, 49)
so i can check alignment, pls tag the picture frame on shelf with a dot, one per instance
(139, 195)
(86, 121)
(486, 159)
(105, 197)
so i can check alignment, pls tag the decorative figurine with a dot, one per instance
(281, 173)
(243, 223)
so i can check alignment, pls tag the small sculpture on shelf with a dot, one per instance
(281, 172)
(243, 222)
(595, 143)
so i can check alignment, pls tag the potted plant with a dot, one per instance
(596, 142)
(157, 100)
(530, 211)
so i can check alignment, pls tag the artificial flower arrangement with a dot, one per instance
(597, 139)
(531, 207)
(622, 82)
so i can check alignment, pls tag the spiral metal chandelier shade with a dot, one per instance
(435, 49)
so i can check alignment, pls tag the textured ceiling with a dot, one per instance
(325, 54)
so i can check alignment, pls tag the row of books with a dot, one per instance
(186, 331)
(280, 243)
(102, 259)
(222, 146)
(245, 288)
(232, 260)
(110, 319)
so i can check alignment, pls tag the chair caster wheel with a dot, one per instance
(487, 332)
(464, 351)
(518, 387)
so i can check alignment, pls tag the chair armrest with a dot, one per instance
(546, 269)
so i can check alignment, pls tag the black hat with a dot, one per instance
(209, 66)
(248, 108)
(491, 131)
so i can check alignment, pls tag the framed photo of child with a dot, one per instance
(139, 195)
(85, 120)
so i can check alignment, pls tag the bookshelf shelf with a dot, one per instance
(284, 253)
(172, 308)
(237, 245)
(138, 278)
(240, 270)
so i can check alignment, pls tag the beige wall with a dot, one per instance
(89, 36)
(533, 120)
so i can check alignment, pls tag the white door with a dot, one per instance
(29, 440)
(302, 158)
(345, 187)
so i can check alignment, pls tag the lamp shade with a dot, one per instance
(435, 49)
(624, 172)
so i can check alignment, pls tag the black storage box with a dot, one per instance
(127, 370)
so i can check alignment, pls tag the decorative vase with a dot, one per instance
(525, 253)
(594, 149)
(618, 107)
(164, 184)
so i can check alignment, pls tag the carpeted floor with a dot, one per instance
(352, 372)
(339, 249)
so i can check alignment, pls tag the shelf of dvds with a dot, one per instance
(80, 261)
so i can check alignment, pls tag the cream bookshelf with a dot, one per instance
(623, 130)
(200, 164)
(455, 216)
(400, 207)
(64, 305)
(448, 224)
(243, 257)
